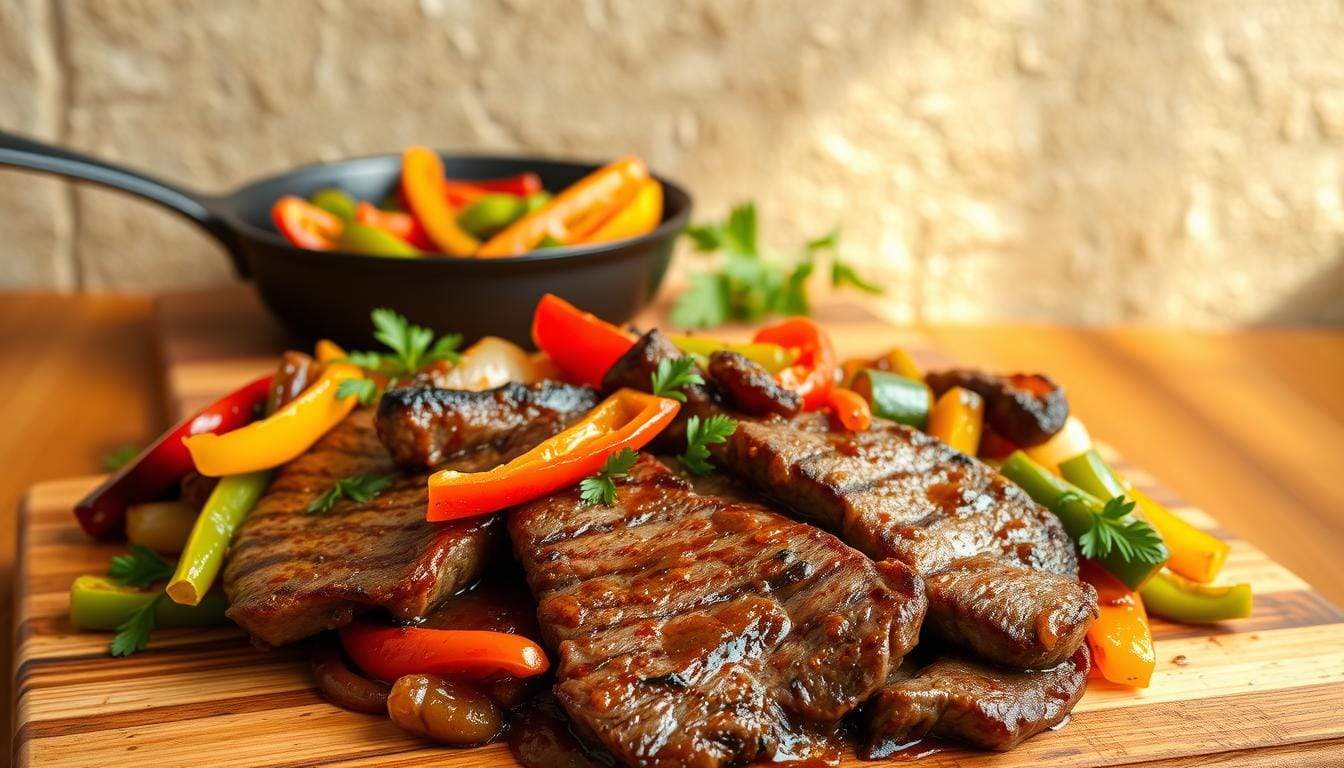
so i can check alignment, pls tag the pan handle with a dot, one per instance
(20, 152)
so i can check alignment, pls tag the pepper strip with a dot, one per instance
(103, 512)
(1180, 599)
(850, 409)
(584, 345)
(97, 602)
(229, 504)
(771, 357)
(639, 216)
(1195, 554)
(1121, 642)
(813, 373)
(958, 418)
(626, 419)
(388, 653)
(422, 185)
(280, 437)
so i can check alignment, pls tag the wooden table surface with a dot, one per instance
(1248, 425)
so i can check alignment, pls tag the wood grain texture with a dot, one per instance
(1259, 692)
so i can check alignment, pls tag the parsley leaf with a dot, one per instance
(748, 284)
(413, 346)
(673, 374)
(699, 436)
(140, 568)
(600, 488)
(133, 633)
(358, 488)
(1115, 529)
(364, 389)
(120, 457)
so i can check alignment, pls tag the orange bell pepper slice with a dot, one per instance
(627, 419)
(387, 653)
(640, 216)
(850, 409)
(1121, 642)
(574, 213)
(813, 372)
(583, 345)
(280, 437)
(958, 418)
(306, 225)
(422, 184)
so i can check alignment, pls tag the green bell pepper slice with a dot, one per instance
(98, 603)
(361, 238)
(489, 214)
(225, 510)
(1179, 599)
(335, 201)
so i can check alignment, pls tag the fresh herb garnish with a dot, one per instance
(750, 285)
(1115, 529)
(133, 633)
(699, 436)
(600, 488)
(364, 389)
(359, 488)
(413, 347)
(674, 373)
(120, 457)
(140, 568)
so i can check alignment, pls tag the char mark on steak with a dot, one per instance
(423, 426)
(694, 630)
(984, 706)
(896, 493)
(291, 574)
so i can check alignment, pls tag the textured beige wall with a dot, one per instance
(1168, 162)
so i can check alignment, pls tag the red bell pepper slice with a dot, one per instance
(398, 223)
(583, 345)
(627, 419)
(388, 653)
(521, 185)
(306, 225)
(812, 374)
(102, 513)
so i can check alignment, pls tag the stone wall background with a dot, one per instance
(1093, 162)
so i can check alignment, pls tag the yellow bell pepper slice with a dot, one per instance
(638, 216)
(958, 418)
(280, 437)
(327, 350)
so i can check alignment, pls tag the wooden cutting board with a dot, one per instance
(1267, 690)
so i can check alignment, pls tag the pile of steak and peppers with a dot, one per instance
(656, 549)
(431, 215)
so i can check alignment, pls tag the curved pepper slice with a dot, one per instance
(813, 373)
(283, 435)
(641, 215)
(306, 225)
(584, 345)
(387, 653)
(398, 223)
(1180, 599)
(103, 512)
(422, 185)
(522, 185)
(574, 213)
(1121, 642)
(627, 419)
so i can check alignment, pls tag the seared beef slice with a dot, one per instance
(694, 630)
(973, 703)
(291, 574)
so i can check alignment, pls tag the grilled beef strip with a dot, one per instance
(695, 630)
(422, 426)
(894, 492)
(291, 574)
(750, 387)
(973, 703)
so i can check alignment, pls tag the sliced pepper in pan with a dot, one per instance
(398, 223)
(306, 225)
(640, 215)
(422, 184)
(102, 513)
(626, 419)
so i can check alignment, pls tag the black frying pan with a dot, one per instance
(326, 293)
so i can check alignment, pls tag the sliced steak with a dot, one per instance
(894, 492)
(973, 703)
(422, 426)
(694, 630)
(750, 387)
(291, 574)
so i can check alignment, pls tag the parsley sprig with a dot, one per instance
(140, 568)
(601, 488)
(699, 436)
(413, 347)
(674, 373)
(133, 633)
(750, 284)
(358, 488)
(1116, 529)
